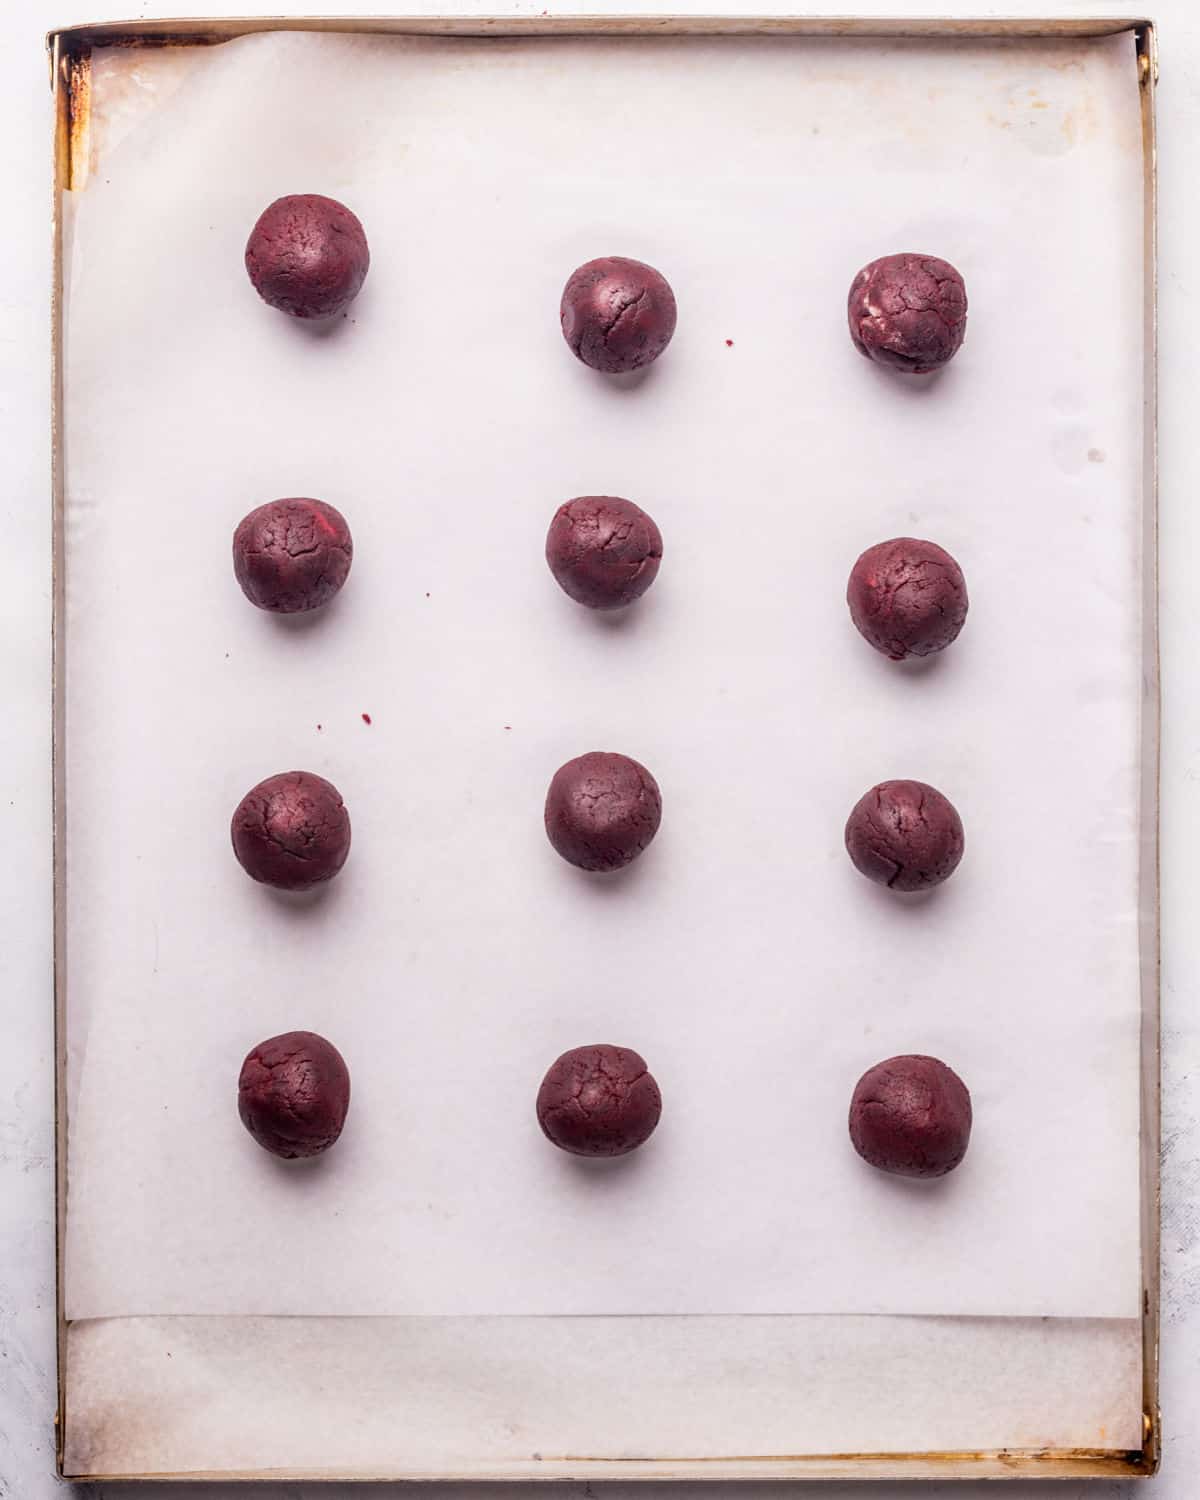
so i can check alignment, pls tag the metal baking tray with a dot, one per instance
(71, 53)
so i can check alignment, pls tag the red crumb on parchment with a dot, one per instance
(366, 718)
(318, 728)
(729, 343)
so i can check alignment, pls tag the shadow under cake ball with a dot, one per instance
(292, 555)
(911, 1116)
(307, 255)
(905, 835)
(617, 314)
(908, 312)
(598, 1101)
(604, 551)
(293, 1094)
(602, 810)
(291, 831)
(907, 597)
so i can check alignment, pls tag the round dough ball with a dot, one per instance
(617, 314)
(292, 555)
(908, 312)
(911, 1116)
(291, 831)
(905, 835)
(602, 810)
(293, 1094)
(598, 1101)
(907, 597)
(307, 255)
(603, 550)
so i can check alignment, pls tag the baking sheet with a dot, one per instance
(456, 956)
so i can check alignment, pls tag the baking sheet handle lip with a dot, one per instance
(1146, 49)
(1005, 1463)
(202, 30)
(60, 147)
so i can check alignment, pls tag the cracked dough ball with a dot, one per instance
(905, 835)
(292, 555)
(908, 312)
(598, 1101)
(907, 597)
(307, 255)
(911, 1116)
(293, 1094)
(603, 550)
(602, 810)
(291, 831)
(617, 314)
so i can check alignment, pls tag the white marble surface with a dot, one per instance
(26, 1174)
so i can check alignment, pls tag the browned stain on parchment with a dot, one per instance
(77, 84)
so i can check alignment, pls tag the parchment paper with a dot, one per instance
(457, 956)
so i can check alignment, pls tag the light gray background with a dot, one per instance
(26, 1223)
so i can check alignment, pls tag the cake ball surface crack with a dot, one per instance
(907, 597)
(905, 835)
(599, 1100)
(911, 1116)
(604, 551)
(291, 831)
(617, 314)
(307, 255)
(602, 810)
(294, 1094)
(908, 312)
(292, 555)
